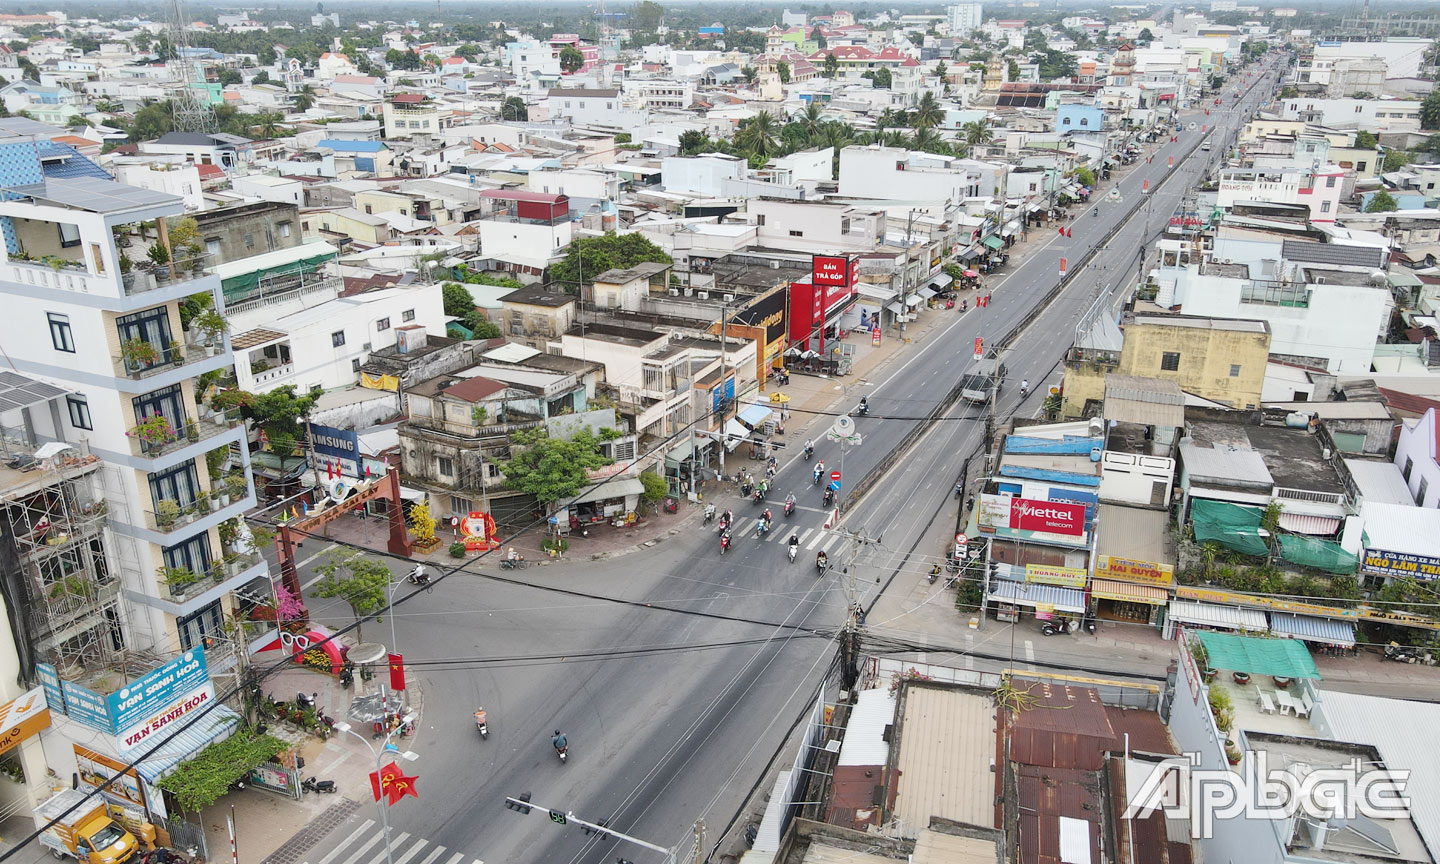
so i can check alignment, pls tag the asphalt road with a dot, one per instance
(672, 715)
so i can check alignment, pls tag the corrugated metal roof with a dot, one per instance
(217, 725)
(1313, 629)
(947, 744)
(1345, 254)
(1404, 733)
(1135, 533)
(1401, 528)
(864, 735)
(1378, 481)
(932, 847)
(819, 853)
(1212, 615)
(1146, 401)
(1228, 465)
(1031, 594)
(1301, 523)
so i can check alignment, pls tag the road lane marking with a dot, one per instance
(384, 853)
(456, 859)
(363, 849)
(335, 853)
(833, 538)
(434, 853)
(1029, 650)
(806, 535)
(419, 844)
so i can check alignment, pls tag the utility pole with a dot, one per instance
(699, 856)
(724, 323)
(855, 614)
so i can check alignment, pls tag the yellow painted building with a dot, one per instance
(1219, 359)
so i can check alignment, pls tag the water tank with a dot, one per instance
(1297, 419)
(1097, 427)
(1095, 453)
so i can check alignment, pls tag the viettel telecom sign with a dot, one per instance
(1053, 517)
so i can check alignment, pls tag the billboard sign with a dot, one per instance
(165, 716)
(336, 445)
(50, 680)
(158, 688)
(835, 271)
(1379, 562)
(1026, 514)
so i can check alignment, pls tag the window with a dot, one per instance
(492, 470)
(79, 412)
(249, 241)
(1324, 206)
(760, 220)
(1420, 494)
(212, 245)
(369, 209)
(199, 628)
(382, 325)
(1234, 370)
(284, 229)
(1360, 166)
(1066, 123)
(69, 234)
(179, 484)
(408, 315)
(60, 335)
(445, 466)
(337, 338)
(1170, 361)
(193, 554)
(355, 364)
(1329, 182)
(1409, 466)
(794, 233)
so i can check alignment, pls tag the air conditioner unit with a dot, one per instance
(729, 298)
(689, 292)
(1227, 261)
(673, 292)
(365, 347)
(1319, 280)
(774, 265)
(702, 295)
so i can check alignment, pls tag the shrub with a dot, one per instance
(457, 549)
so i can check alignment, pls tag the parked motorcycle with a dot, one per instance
(1059, 626)
(310, 784)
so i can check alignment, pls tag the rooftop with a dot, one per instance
(1290, 458)
(94, 195)
(1146, 401)
(1201, 322)
(947, 744)
(537, 295)
(1134, 533)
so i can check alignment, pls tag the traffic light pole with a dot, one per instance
(523, 804)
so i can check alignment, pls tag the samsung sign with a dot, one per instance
(336, 443)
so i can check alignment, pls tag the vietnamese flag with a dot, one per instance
(397, 672)
(391, 783)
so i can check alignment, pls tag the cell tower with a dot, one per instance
(192, 112)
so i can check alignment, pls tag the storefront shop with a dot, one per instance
(1210, 616)
(819, 303)
(1320, 633)
(1126, 601)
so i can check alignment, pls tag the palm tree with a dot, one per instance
(109, 106)
(927, 114)
(959, 149)
(976, 133)
(838, 135)
(811, 119)
(929, 140)
(895, 138)
(757, 134)
(268, 124)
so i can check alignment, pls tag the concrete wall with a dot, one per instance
(1206, 358)
(249, 229)
(1416, 445)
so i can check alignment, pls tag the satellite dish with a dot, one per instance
(843, 426)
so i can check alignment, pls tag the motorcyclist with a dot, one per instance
(559, 742)
(864, 405)
(794, 539)
(809, 448)
(419, 576)
(819, 469)
(1025, 387)
(709, 512)
(821, 559)
(767, 515)
(724, 540)
(829, 496)
(764, 489)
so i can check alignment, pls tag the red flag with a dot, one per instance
(397, 672)
(1061, 230)
(1069, 232)
(392, 783)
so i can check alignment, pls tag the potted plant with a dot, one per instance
(127, 271)
(176, 352)
(159, 256)
(138, 354)
(178, 578)
(155, 431)
(1232, 753)
(229, 531)
(213, 325)
(237, 486)
(167, 510)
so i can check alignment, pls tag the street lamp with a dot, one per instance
(408, 756)
(390, 611)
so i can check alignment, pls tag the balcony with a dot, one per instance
(181, 584)
(499, 430)
(139, 360)
(170, 516)
(158, 436)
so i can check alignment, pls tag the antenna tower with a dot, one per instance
(192, 111)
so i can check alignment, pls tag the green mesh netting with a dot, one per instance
(1321, 554)
(1259, 655)
(1231, 525)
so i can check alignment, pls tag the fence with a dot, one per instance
(1121, 693)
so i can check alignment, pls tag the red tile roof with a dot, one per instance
(210, 172)
(1409, 403)
(408, 98)
(474, 389)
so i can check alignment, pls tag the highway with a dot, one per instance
(676, 672)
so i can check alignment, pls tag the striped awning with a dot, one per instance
(1035, 594)
(1313, 629)
(1128, 592)
(216, 725)
(1300, 523)
(1215, 615)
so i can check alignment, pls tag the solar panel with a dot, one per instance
(1374, 832)
(95, 195)
(20, 391)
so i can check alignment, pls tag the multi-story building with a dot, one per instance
(964, 18)
(414, 116)
(1374, 115)
(177, 472)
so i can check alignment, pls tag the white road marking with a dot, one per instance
(434, 853)
(833, 538)
(335, 853)
(818, 537)
(419, 844)
(394, 841)
(806, 535)
(363, 849)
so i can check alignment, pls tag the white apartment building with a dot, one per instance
(816, 227)
(910, 175)
(1319, 189)
(1372, 115)
(531, 58)
(703, 175)
(114, 341)
(172, 176)
(964, 18)
(1417, 455)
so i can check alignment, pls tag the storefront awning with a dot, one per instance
(971, 254)
(680, 452)
(1300, 523)
(735, 432)
(994, 242)
(1312, 629)
(1213, 615)
(611, 489)
(1280, 658)
(1011, 228)
(1035, 594)
(875, 292)
(1128, 592)
(894, 308)
(754, 415)
(912, 300)
(408, 494)
(218, 724)
(927, 292)
(940, 281)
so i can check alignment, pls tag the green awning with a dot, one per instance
(1280, 658)
(994, 242)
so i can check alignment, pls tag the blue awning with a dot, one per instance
(1312, 629)
(1035, 594)
(755, 415)
(217, 725)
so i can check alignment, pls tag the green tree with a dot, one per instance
(571, 59)
(598, 254)
(1085, 177)
(482, 327)
(1395, 160)
(1289, 92)
(928, 140)
(1056, 64)
(1145, 37)
(468, 52)
(513, 108)
(358, 579)
(693, 142)
(655, 486)
(261, 77)
(810, 120)
(229, 77)
(646, 15)
(831, 65)
(882, 79)
(1430, 111)
(757, 134)
(278, 413)
(268, 124)
(818, 38)
(551, 469)
(928, 112)
(1012, 70)
(977, 133)
(1366, 140)
(1382, 202)
(406, 60)
(457, 300)
(783, 69)
(940, 71)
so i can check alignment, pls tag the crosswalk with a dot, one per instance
(811, 539)
(365, 845)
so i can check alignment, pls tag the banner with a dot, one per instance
(397, 672)
(1044, 574)
(1025, 514)
(1379, 562)
(1210, 595)
(1129, 570)
(22, 717)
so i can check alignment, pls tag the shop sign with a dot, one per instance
(1100, 591)
(1379, 562)
(1129, 570)
(1210, 595)
(50, 680)
(133, 736)
(157, 688)
(1027, 514)
(1391, 616)
(1044, 574)
(767, 312)
(22, 717)
(834, 270)
(96, 769)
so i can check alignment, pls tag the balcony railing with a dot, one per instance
(459, 429)
(1308, 495)
(153, 440)
(70, 278)
(141, 365)
(181, 584)
(139, 281)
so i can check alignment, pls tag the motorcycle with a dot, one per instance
(789, 509)
(480, 725)
(829, 497)
(418, 576)
(758, 496)
(821, 562)
(347, 675)
(310, 784)
(745, 488)
(724, 524)
(724, 543)
(513, 564)
(760, 528)
(809, 451)
(794, 549)
(709, 513)
(1059, 626)
(819, 470)
(863, 409)
(934, 574)
(304, 701)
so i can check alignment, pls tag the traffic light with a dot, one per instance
(598, 828)
(522, 803)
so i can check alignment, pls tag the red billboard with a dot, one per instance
(1053, 517)
(835, 271)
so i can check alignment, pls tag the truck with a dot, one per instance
(982, 380)
(86, 833)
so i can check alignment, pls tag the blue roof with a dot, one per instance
(352, 146)
(1025, 472)
(71, 163)
(754, 415)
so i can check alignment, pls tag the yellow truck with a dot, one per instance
(87, 833)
